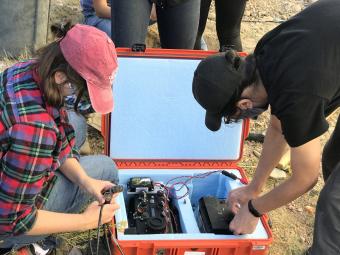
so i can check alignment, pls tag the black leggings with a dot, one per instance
(229, 15)
(177, 25)
(327, 218)
(331, 152)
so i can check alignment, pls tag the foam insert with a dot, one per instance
(215, 184)
(157, 117)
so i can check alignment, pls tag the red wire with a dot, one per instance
(190, 177)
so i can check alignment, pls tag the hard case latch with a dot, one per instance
(138, 47)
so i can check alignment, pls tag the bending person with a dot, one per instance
(294, 69)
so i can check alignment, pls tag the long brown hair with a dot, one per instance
(50, 60)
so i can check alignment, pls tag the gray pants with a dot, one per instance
(327, 219)
(65, 196)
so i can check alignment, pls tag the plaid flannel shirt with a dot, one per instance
(35, 139)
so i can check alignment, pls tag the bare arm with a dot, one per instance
(74, 172)
(102, 9)
(305, 162)
(273, 149)
(51, 222)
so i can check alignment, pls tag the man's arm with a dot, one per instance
(305, 164)
(102, 9)
(274, 147)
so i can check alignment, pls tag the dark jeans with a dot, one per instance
(229, 15)
(327, 219)
(177, 25)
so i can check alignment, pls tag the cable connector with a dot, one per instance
(234, 177)
(110, 192)
(230, 175)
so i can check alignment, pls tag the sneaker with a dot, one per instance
(41, 250)
(34, 249)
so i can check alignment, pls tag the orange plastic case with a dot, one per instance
(155, 131)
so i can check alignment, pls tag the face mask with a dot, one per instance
(251, 113)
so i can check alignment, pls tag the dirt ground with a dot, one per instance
(292, 225)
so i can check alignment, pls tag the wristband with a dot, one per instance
(252, 209)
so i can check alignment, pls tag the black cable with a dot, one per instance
(106, 227)
(116, 243)
(230, 175)
(98, 228)
(90, 243)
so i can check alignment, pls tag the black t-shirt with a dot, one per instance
(299, 63)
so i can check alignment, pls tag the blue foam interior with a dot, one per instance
(216, 185)
(157, 117)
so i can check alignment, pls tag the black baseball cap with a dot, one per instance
(215, 83)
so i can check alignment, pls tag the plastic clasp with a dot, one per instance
(138, 47)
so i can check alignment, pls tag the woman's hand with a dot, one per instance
(96, 187)
(91, 214)
(240, 197)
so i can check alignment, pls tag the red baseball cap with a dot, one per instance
(92, 54)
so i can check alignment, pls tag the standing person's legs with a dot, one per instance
(204, 11)
(130, 20)
(331, 152)
(67, 197)
(178, 25)
(229, 15)
(327, 219)
(326, 239)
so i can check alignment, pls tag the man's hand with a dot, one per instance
(239, 197)
(244, 222)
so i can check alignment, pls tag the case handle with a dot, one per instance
(138, 47)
